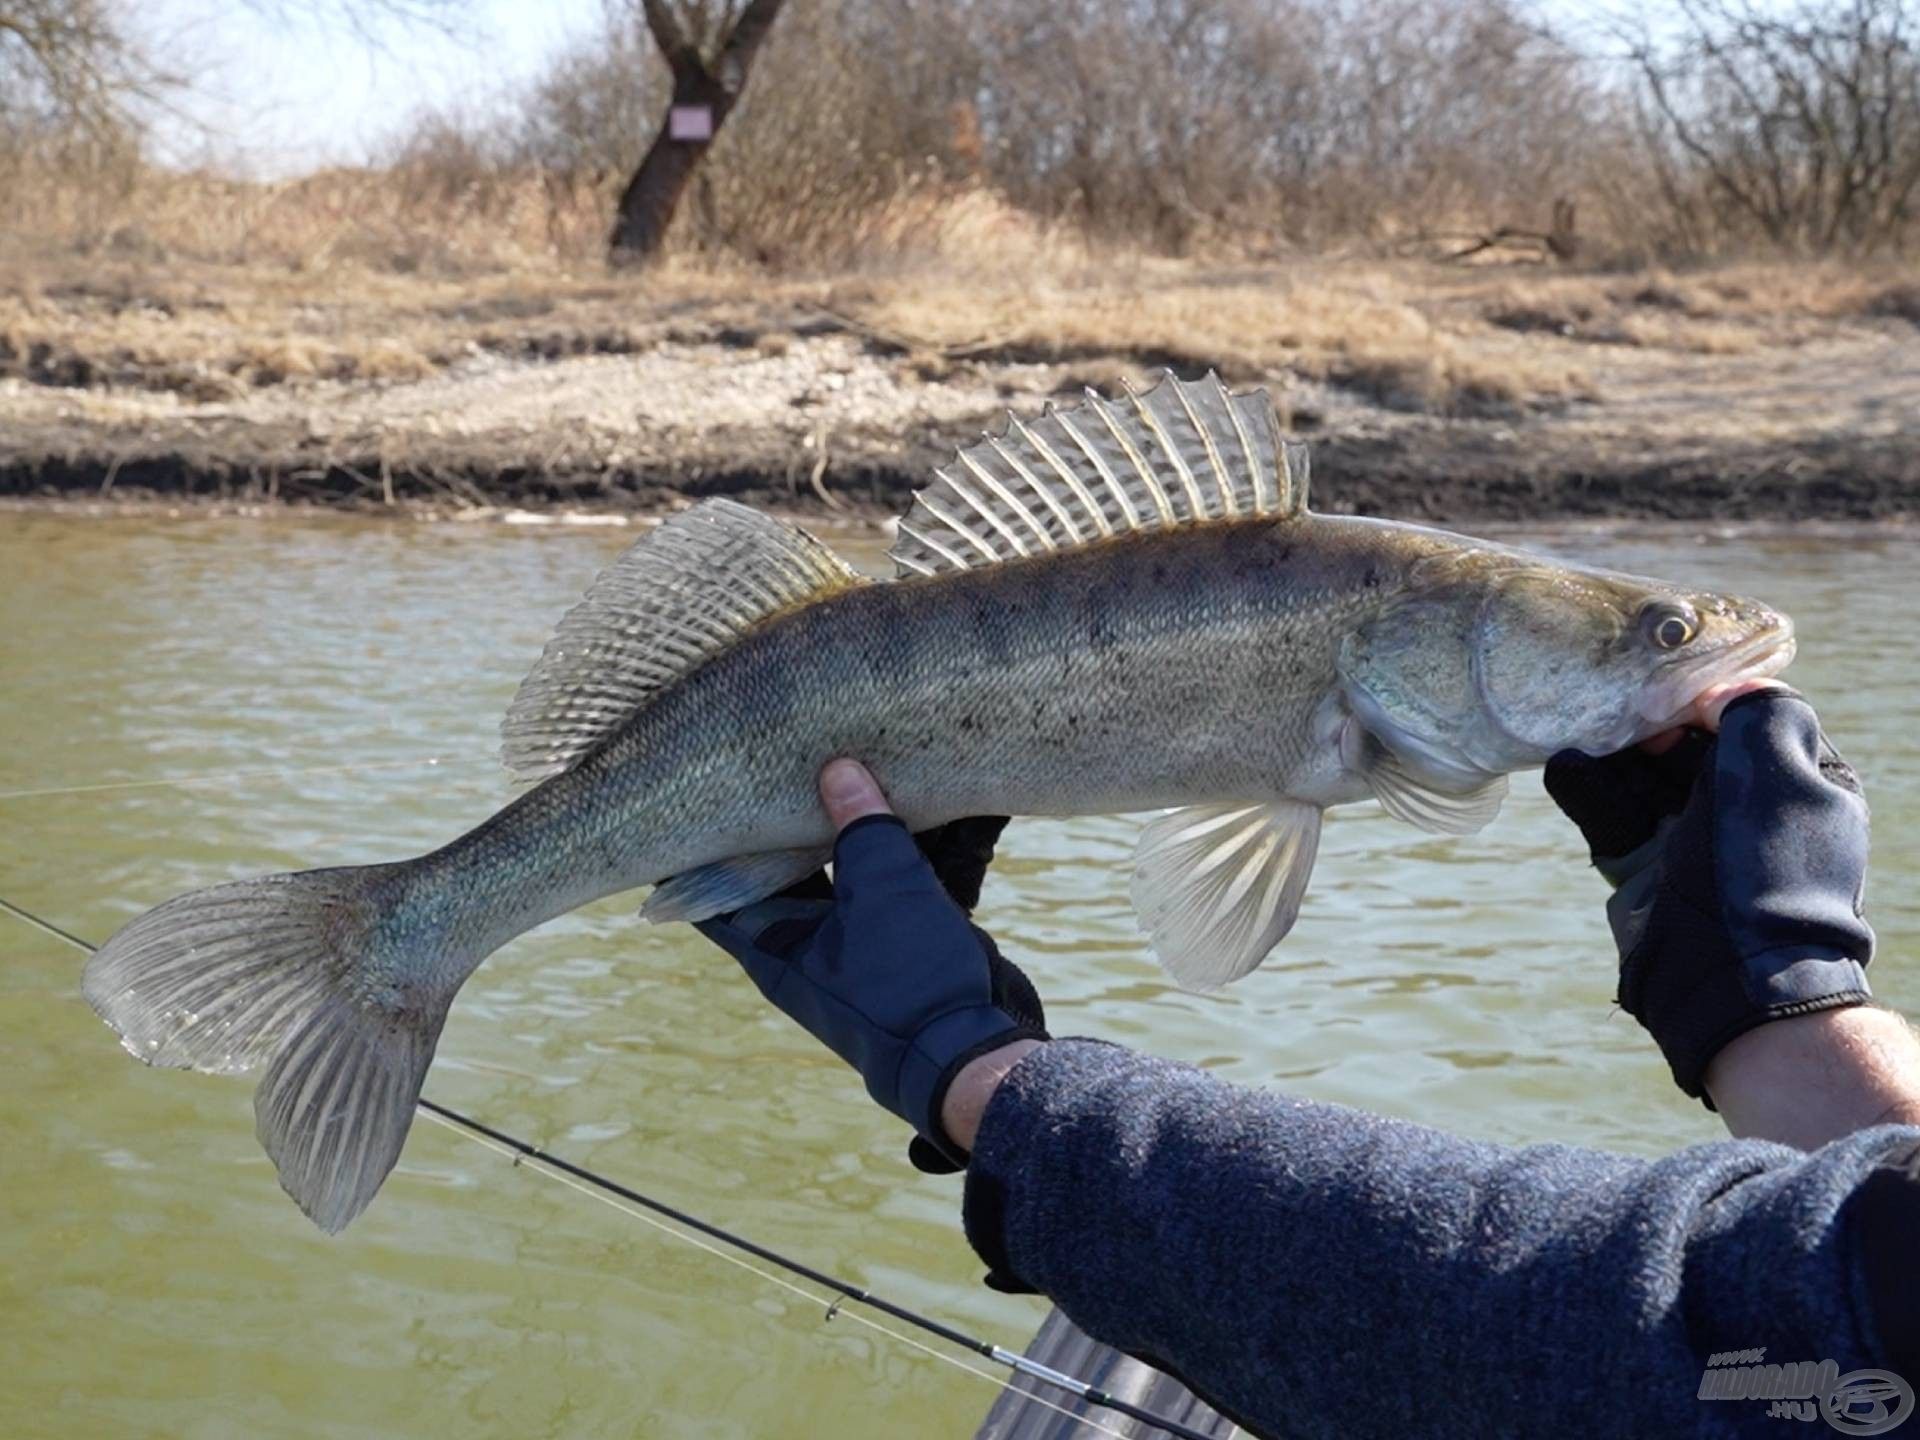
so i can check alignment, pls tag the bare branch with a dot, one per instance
(676, 48)
(750, 32)
(68, 65)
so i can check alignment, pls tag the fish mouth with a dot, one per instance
(1758, 657)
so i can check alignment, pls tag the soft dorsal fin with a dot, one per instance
(677, 597)
(1183, 452)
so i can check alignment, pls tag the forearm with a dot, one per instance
(972, 1089)
(1813, 1078)
(1276, 1253)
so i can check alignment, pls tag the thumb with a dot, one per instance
(848, 792)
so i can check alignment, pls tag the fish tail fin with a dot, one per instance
(296, 973)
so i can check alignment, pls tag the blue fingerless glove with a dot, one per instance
(1739, 864)
(889, 975)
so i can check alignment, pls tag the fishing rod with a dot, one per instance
(845, 1291)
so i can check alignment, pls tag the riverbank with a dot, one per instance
(1429, 391)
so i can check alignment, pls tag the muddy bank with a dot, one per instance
(1823, 429)
(1411, 473)
(453, 477)
(1822, 478)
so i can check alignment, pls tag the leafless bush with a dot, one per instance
(877, 131)
(1187, 120)
(1797, 124)
(590, 114)
(1167, 125)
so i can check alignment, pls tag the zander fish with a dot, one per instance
(1126, 606)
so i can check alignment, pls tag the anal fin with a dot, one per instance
(729, 885)
(1217, 886)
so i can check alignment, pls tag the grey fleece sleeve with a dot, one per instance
(1313, 1270)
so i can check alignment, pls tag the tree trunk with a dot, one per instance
(653, 195)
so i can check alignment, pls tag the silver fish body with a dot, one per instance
(1191, 667)
(1138, 617)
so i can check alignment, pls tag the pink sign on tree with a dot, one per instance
(690, 122)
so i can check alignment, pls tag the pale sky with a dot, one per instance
(281, 93)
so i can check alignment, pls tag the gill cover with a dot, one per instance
(1548, 660)
(1416, 713)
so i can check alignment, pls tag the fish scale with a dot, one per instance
(1125, 607)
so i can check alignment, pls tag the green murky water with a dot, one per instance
(155, 1282)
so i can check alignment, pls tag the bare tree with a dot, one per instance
(1257, 126)
(68, 66)
(709, 46)
(1800, 123)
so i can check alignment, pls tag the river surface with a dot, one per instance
(154, 1281)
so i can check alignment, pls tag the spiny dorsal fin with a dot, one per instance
(1185, 451)
(677, 597)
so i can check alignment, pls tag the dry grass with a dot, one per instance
(400, 220)
(1366, 326)
(1722, 310)
(211, 288)
(211, 332)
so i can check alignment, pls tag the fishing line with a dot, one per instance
(45, 925)
(637, 1206)
(429, 760)
(610, 1193)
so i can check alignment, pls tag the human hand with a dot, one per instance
(881, 964)
(1739, 865)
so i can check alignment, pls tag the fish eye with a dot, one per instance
(1669, 625)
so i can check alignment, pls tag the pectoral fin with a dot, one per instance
(1217, 886)
(729, 885)
(1406, 797)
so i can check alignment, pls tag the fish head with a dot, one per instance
(1572, 659)
(1500, 660)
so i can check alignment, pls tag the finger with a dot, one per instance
(775, 926)
(1616, 800)
(1707, 708)
(763, 968)
(1663, 742)
(1012, 989)
(849, 792)
(1713, 701)
(811, 887)
(927, 1159)
(960, 852)
(1678, 765)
